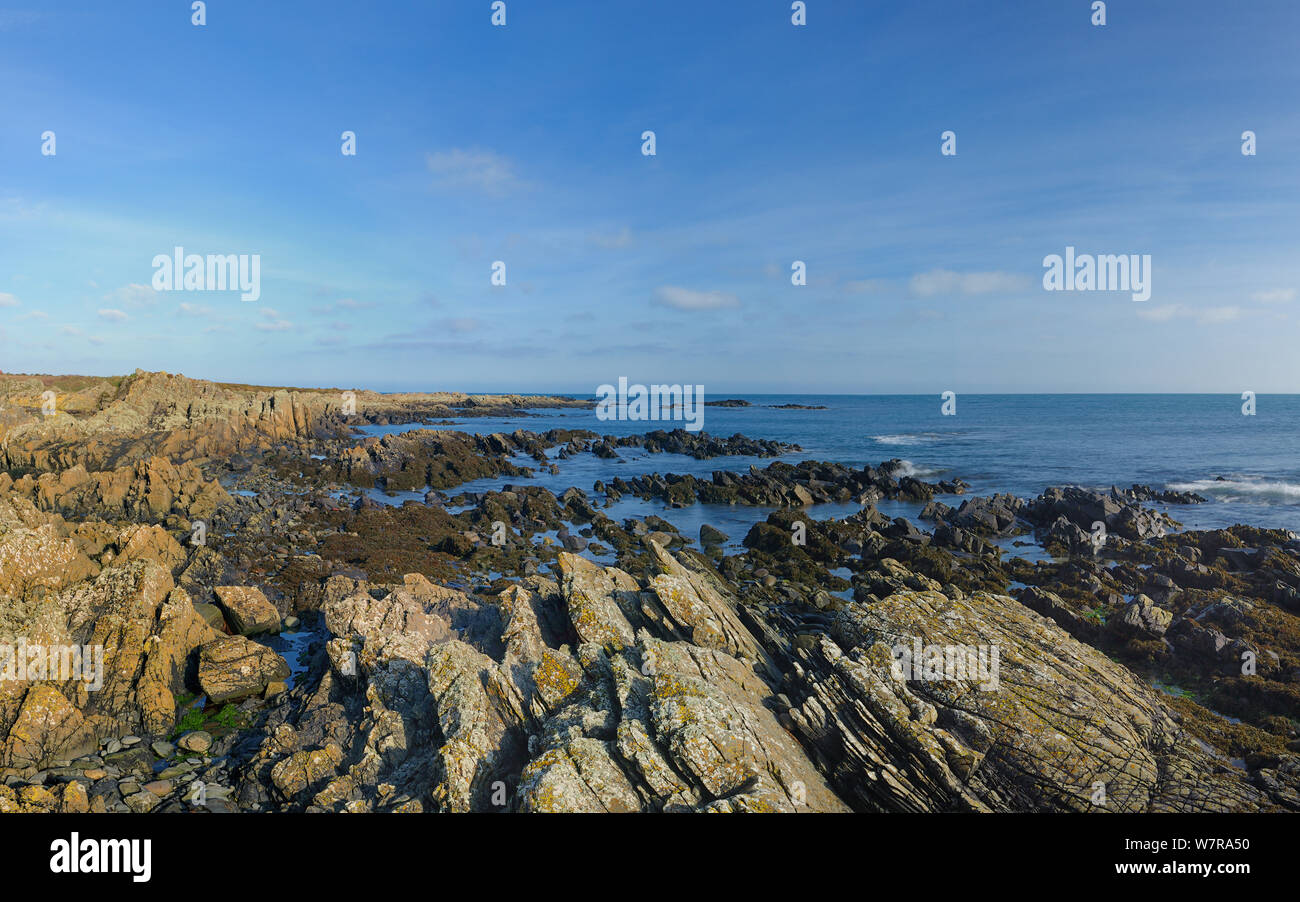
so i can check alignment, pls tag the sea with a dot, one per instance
(1247, 466)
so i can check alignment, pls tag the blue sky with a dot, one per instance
(775, 143)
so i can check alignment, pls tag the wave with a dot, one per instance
(1241, 488)
(907, 468)
(912, 438)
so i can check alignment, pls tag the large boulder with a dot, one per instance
(247, 610)
(233, 667)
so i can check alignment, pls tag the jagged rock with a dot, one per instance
(1081, 507)
(47, 727)
(233, 667)
(1142, 619)
(1059, 714)
(589, 590)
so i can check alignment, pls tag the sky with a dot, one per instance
(774, 143)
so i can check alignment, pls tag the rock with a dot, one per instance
(574, 543)
(1141, 619)
(234, 667)
(248, 610)
(710, 537)
(1082, 507)
(163, 749)
(1053, 695)
(141, 802)
(159, 788)
(46, 724)
(75, 799)
(197, 741)
(211, 615)
(589, 592)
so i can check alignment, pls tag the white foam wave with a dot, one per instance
(909, 438)
(1238, 488)
(907, 468)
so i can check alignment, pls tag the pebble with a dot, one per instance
(163, 749)
(159, 787)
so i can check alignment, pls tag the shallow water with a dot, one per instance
(1246, 465)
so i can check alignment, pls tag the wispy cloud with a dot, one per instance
(1279, 296)
(612, 241)
(459, 325)
(8, 300)
(679, 298)
(473, 169)
(1203, 315)
(274, 322)
(864, 286)
(947, 282)
(14, 18)
(342, 304)
(113, 316)
(135, 295)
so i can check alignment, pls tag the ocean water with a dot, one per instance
(1247, 466)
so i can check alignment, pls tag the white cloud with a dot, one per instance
(1217, 314)
(8, 300)
(947, 282)
(113, 316)
(135, 295)
(685, 299)
(194, 309)
(474, 169)
(1161, 314)
(1279, 296)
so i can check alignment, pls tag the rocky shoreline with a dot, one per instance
(278, 635)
